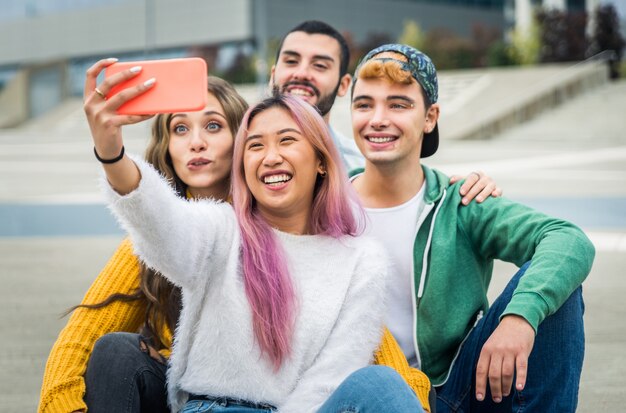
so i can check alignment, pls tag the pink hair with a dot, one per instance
(266, 276)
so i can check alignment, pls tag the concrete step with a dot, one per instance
(495, 100)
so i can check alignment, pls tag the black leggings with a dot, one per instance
(122, 377)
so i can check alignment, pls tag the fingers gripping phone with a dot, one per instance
(181, 86)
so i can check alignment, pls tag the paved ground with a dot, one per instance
(55, 235)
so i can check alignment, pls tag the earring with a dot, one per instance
(323, 174)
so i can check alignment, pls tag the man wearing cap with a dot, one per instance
(525, 352)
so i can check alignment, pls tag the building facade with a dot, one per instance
(52, 43)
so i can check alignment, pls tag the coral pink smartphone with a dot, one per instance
(181, 86)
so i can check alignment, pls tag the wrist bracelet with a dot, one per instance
(109, 161)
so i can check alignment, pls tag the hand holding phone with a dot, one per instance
(181, 86)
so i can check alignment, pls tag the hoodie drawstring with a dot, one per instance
(420, 290)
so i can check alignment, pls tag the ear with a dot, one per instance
(344, 85)
(321, 168)
(432, 116)
(272, 76)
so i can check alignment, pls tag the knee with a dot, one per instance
(117, 343)
(115, 349)
(379, 388)
(377, 379)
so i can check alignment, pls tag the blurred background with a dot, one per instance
(532, 93)
(48, 45)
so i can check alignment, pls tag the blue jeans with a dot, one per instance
(554, 365)
(221, 405)
(372, 389)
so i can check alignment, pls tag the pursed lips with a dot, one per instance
(197, 163)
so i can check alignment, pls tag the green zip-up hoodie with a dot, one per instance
(453, 266)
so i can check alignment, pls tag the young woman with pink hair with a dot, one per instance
(283, 300)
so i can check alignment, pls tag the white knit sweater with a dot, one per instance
(340, 290)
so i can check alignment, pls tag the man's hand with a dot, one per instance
(504, 353)
(477, 186)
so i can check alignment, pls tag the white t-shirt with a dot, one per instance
(396, 228)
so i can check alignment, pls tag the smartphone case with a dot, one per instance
(181, 86)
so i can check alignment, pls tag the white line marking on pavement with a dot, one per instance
(545, 161)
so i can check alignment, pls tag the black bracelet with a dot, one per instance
(109, 161)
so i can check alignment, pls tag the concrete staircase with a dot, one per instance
(480, 104)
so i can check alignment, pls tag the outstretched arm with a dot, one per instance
(106, 125)
(170, 235)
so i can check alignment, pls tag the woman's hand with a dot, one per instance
(106, 124)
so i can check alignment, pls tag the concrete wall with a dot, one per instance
(128, 27)
(47, 87)
(137, 25)
(362, 17)
(14, 101)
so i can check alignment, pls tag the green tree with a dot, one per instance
(412, 35)
(499, 54)
(525, 47)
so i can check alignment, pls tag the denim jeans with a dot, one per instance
(372, 389)
(122, 378)
(554, 365)
(220, 405)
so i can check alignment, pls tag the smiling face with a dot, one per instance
(308, 66)
(389, 120)
(201, 148)
(280, 168)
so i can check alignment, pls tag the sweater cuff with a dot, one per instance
(111, 195)
(64, 402)
(529, 305)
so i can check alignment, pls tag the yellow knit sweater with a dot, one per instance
(63, 385)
